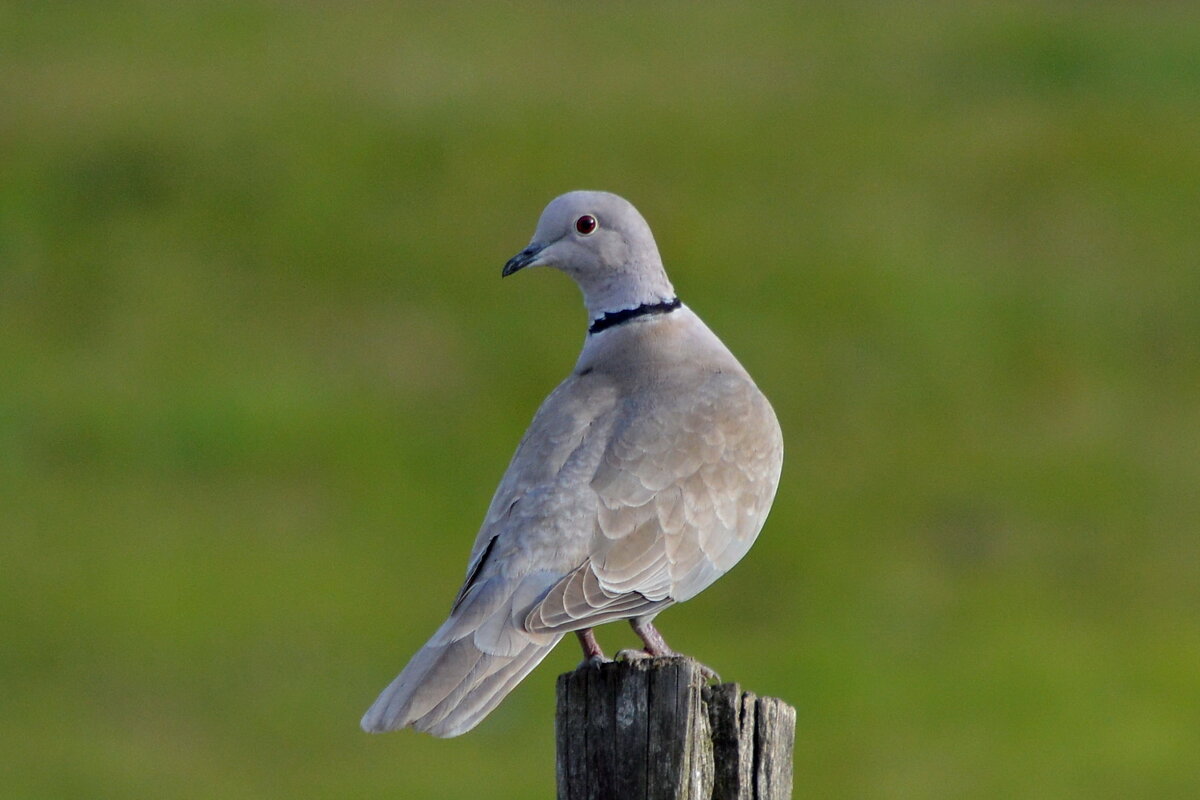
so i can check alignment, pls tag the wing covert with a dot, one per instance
(682, 491)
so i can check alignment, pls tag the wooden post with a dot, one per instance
(651, 730)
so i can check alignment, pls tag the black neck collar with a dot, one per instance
(624, 315)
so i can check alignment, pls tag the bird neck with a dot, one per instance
(611, 318)
(614, 295)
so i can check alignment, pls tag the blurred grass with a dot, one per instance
(260, 376)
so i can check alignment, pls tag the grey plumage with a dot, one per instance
(643, 478)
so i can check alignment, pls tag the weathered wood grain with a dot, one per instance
(651, 730)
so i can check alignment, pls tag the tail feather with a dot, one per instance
(429, 678)
(479, 704)
(503, 673)
(478, 675)
(469, 665)
(447, 690)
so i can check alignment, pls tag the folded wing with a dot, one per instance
(682, 490)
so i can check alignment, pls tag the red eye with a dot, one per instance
(586, 224)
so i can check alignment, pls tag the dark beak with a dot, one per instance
(522, 259)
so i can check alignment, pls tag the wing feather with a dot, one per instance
(682, 490)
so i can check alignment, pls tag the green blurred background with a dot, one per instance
(259, 376)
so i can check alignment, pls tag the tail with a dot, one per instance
(474, 660)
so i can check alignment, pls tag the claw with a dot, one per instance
(656, 646)
(708, 673)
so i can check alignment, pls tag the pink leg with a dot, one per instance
(655, 644)
(592, 654)
(657, 647)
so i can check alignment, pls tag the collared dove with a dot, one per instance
(643, 477)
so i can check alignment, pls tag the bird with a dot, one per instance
(642, 478)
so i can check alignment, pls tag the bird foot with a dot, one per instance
(708, 673)
(592, 662)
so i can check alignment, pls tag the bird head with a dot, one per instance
(605, 245)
